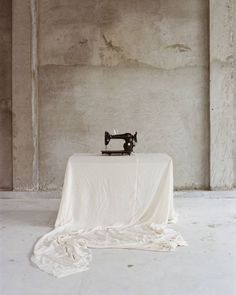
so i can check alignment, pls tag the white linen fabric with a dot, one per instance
(110, 202)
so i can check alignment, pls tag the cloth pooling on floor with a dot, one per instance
(110, 202)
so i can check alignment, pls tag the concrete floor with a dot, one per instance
(207, 266)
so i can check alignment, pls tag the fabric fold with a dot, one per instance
(110, 202)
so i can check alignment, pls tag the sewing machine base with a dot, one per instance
(117, 153)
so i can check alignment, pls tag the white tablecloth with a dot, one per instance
(110, 202)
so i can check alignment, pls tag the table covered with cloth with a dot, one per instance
(110, 202)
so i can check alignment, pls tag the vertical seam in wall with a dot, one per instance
(234, 89)
(34, 97)
(209, 88)
(233, 24)
(11, 188)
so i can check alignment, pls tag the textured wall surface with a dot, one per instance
(5, 96)
(22, 97)
(130, 65)
(234, 132)
(221, 94)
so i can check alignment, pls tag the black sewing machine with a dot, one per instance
(129, 139)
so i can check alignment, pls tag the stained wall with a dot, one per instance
(5, 96)
(82, 67)
(131, 65)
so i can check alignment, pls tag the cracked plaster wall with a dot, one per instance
(132, 65)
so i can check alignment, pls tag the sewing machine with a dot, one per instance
(129, 139)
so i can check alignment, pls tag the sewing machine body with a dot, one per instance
(128, 146)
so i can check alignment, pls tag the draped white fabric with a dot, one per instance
(110, 202)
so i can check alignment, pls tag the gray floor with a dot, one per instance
(207, 266)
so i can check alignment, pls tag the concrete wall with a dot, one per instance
(83, 67)
(132, 65)
(234, 105)
(23, 97)
(5, 96)
(221, 94)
